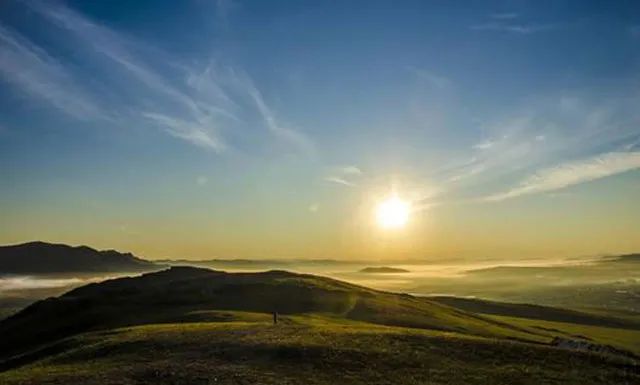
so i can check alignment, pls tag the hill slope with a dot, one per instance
(539, 312)
(196, 326)
(185, 293)
(308, 350)
(49, 258)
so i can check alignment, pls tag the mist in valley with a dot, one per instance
(600, 282)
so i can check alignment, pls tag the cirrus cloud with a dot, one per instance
(573, 173)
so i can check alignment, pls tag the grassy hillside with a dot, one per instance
(626, 339)
(308, 350)
(175, 294)
(592, 317)
(196, 326)
(613, 328)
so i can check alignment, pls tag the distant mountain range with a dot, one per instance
(50, 258)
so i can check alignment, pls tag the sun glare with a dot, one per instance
(392, 213)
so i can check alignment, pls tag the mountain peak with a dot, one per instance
(38, 257)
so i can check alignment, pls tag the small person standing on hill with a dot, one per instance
(275, 317)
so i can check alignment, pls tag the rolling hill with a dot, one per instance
(530, 311)
(185, 293)
(191, 325)
(50, 258)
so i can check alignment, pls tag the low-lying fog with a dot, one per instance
(18, 291)
(574, 283)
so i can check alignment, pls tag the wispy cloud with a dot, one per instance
(30, 69)
(523, 29)
(185, 130)
(509, 22)
(350, 170)
(344, 175)
(542, 135)
(484, 145)
(292, 136)
(194, 104)
(573, 173)
(181, 115)
(550, 130)
(338, 180)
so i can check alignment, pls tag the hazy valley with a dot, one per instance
(178, 315)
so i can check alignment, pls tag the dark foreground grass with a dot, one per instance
(310, 350)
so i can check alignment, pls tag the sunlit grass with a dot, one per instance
(310, 349)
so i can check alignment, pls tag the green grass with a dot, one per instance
(186, 294)
(625, 314)
(313, 349)
(596, 317)
(196, 326)
(617, 328)
(625, 339)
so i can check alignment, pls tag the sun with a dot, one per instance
(392, 213)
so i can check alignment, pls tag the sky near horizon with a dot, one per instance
(257, 129)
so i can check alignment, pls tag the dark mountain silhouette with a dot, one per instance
(49, 258)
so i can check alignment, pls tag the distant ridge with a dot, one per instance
(627, 258)
(383, 270)
(49, 258)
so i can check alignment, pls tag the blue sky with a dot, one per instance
(196, 127)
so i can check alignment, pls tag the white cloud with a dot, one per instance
(30, 69)
(338, 180)
(350, 170)
(287, 134)
(484, 145)
(194, 105)
(523, 29)
(314, 207)
(182, 116)
(573, 173)
(185, 130)
(344, 175)
(548, 131)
